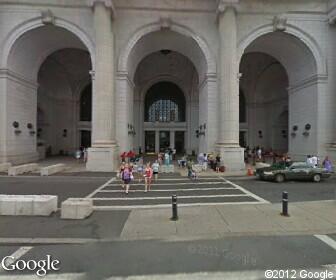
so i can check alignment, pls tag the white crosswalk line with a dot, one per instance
(327, 240)
(100, 188)
(175, 184)
(246, 191)
(165, 197)
(172, 190)
(16, 255)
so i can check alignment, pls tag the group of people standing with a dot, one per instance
(315, 161)
(128, 170)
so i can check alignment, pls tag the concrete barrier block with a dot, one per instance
(5, 166)
(44, 205)
(76, 208)
(28, 205)
(52, 169)
(21, 169)
(7, 205)
(24, 206)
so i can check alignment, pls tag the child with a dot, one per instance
(126, 176)
(148, 177)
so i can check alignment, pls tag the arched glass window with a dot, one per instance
(86, 104)
(165, 102)
(242, 107)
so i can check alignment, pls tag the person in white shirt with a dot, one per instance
(314, 161)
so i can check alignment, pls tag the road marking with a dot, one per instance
(58, 276)
(16, 255)
(100, 188)
(327, 240)
(171, 190)
(165, 197)
(196, 204)
(46, 240)
(246, 191)
(169, 184)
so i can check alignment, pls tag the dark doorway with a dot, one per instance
(150, 142)
(85, 138)
(164, 140)
(179, 142)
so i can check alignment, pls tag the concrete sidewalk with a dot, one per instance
(231, 220)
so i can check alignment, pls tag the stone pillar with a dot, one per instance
(103, 155)
(172, 139)
(228, 131)
(157, 141)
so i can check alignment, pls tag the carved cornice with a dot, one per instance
(108, 4)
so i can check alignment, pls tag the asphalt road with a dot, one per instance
(243, 255)
(297, 191)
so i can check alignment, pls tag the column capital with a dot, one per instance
(107, 3)
(224, 4)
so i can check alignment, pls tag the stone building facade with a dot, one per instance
(195, 75)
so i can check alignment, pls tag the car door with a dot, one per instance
(297, 172)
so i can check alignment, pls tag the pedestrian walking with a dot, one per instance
(156, 167)
(148, 177)
(327, 164)
(127, 177)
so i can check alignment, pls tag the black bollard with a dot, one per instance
(285, 204)
(174, 208)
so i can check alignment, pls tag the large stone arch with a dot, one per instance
(166, 34)
(123, 62)
(306, 69)
(24, 51)
(307, 40)
(34, 23)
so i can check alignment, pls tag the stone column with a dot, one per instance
(228, 130)
(103, 156)
(172, 139)
(157, 141)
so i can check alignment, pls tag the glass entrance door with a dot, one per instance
(164, 140)
(150, 142)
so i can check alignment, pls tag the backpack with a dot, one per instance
(126, 175)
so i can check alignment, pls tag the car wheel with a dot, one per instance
(279, 178)
(317, 178)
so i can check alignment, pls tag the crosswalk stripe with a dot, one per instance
(166, 197)
(16, 255)
(246, 191)
(327, 240)
(100, 188)
(168, 205)
(169, 184)
(171, 190)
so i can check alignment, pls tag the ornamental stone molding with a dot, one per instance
(165, 23)
(47, 17)
(224, 4)
(108, 4)
(280, 23)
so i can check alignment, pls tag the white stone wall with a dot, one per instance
(308, 59)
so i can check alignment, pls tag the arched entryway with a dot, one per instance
(47, 67)
(166, 58)
(281, 84)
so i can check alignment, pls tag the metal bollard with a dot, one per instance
(285, 204)
(174, 208)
